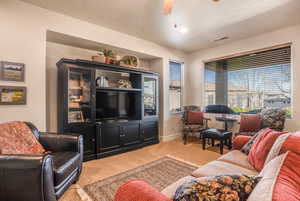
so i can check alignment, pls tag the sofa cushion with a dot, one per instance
(17, 138)
(291, 143)
(65, 163)
(237, 158)
(221, 167)
(235, 187)
(264, 190)
(261, 147)
(280, 180)
(171, 189)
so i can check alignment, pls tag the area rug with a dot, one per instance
(160, 174)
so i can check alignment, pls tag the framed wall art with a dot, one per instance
(11, 71)
(13, 95)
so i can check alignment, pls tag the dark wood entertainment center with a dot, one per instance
(111, 119)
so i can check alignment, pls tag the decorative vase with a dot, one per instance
(98, 58)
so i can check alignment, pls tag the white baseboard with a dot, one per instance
(170, 137)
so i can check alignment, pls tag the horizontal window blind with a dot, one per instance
(251, 82)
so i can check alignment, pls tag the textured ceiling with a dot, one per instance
(205, 19)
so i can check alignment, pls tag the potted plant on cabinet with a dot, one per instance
(99, 57)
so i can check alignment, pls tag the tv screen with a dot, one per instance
(113, 105)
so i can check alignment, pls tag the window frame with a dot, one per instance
(292, 66)
(181, 86)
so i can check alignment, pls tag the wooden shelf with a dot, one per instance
(118, 89)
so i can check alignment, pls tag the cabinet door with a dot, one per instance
(88, 133)
(150, 99)
(80, 95)
(150, 130)
(130, 134)
(109, 138)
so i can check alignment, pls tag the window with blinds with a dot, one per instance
(252, 82)
(175, 87)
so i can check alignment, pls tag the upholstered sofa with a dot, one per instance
(41, 177)
(234, 162)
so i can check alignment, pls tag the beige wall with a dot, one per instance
(196, 66)
(23, 39)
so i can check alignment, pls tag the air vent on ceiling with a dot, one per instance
(221, 39)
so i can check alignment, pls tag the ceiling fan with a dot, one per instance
(168, 5)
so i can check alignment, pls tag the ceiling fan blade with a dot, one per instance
(168, 5)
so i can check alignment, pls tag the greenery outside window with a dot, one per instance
(250, 83)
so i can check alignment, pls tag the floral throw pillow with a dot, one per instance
(218, 188)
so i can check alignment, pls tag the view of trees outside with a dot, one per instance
(253, 89)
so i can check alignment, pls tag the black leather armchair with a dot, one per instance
(42, 177)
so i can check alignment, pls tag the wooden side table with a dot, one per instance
(225, 138)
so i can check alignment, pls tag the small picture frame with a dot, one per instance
(13, 95)
(11, 71)
(76, 117)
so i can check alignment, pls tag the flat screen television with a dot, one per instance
(114, 105)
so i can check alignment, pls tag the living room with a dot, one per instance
(180, 55)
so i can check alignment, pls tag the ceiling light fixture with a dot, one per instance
(168, 6)
(181, 29)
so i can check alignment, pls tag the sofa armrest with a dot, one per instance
(240, 141)
(62, 143)
(26, 177)
(138, 190)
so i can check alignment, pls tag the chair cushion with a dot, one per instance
(64, 164)
(17, 138)
(261, 148)
(221, 167)
(192, 128)
(195, 117)
(237, 158)
(250, 122)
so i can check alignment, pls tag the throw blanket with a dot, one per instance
(17, 138)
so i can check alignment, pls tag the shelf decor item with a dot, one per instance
(125, 84)
(110, 56)
(130, 61)
(99, 58)
(11, 71)
(12, 95)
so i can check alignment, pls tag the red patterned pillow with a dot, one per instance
(195, 117)
(17, 138)
(261, 147)
(250, 122)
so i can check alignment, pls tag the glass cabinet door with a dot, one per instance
(150, 96)
(79, 95)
